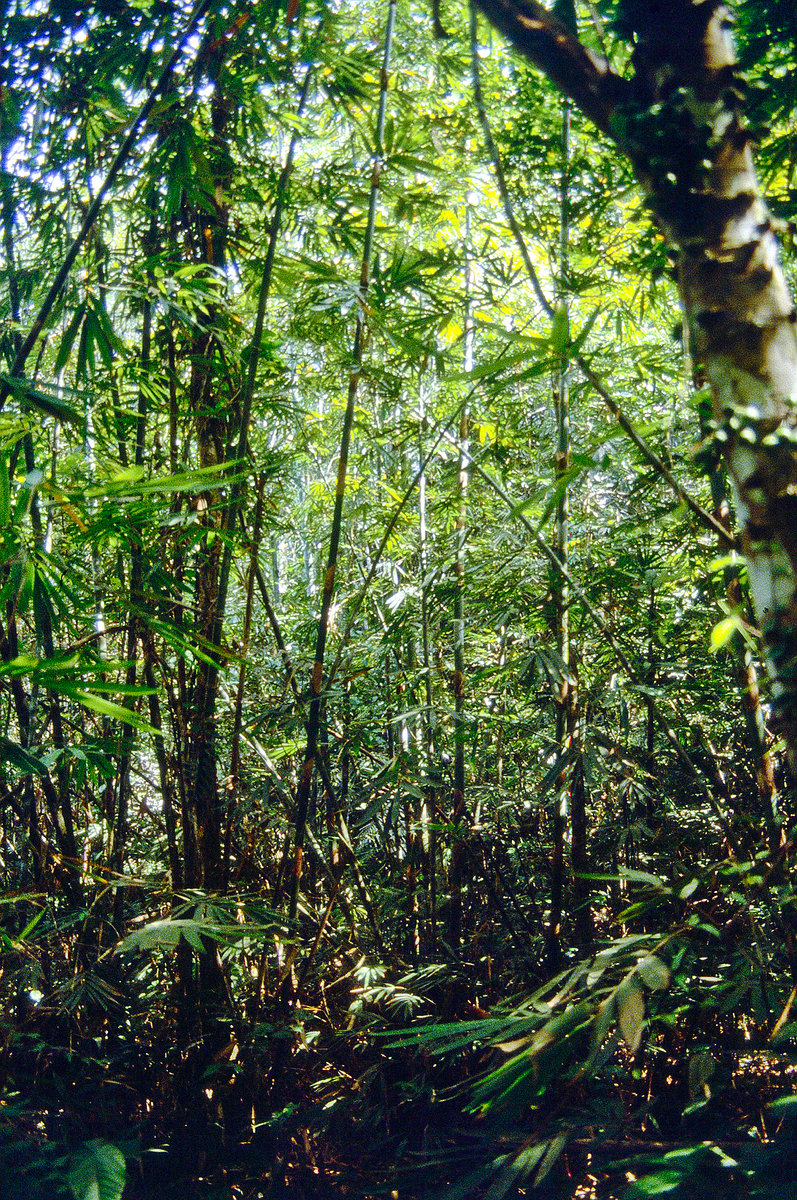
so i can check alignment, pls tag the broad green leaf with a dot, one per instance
(604, 1018)
(97, 1172)
(659, 1184)
(166, 933)
(653, 972)
(156, 935)
(515, 1171)
(634, 876)
(722, 633)
(68, 338)
(133, 482)
(631, 1014)
(31, 925)
(553, 1149)
(702, 1068)
(49, 403)
(106, 708)
(23, 760)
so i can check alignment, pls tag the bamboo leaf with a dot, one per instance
(654, 972)
(722, 633)
(515, 1170)
(23, 760)
(32, 394)
(553, 1150)
(106, 708)
(630, 1013)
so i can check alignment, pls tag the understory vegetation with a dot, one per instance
(391, 804)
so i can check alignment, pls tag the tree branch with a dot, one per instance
(586, 77)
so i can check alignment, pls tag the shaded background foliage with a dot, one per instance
(587, 945)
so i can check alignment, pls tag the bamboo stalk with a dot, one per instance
(314, 715)
(458, 861)
(565, 699)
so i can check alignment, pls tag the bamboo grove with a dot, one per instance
(396, 668)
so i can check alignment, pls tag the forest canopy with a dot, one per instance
(398, 626)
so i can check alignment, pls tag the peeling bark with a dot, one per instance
(681, 123)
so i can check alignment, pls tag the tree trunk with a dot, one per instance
(680, 123)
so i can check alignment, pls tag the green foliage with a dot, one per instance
(97, 1172)
(34, 1169)
(431, 1020)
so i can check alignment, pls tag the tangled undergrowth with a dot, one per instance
(630, 1072)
